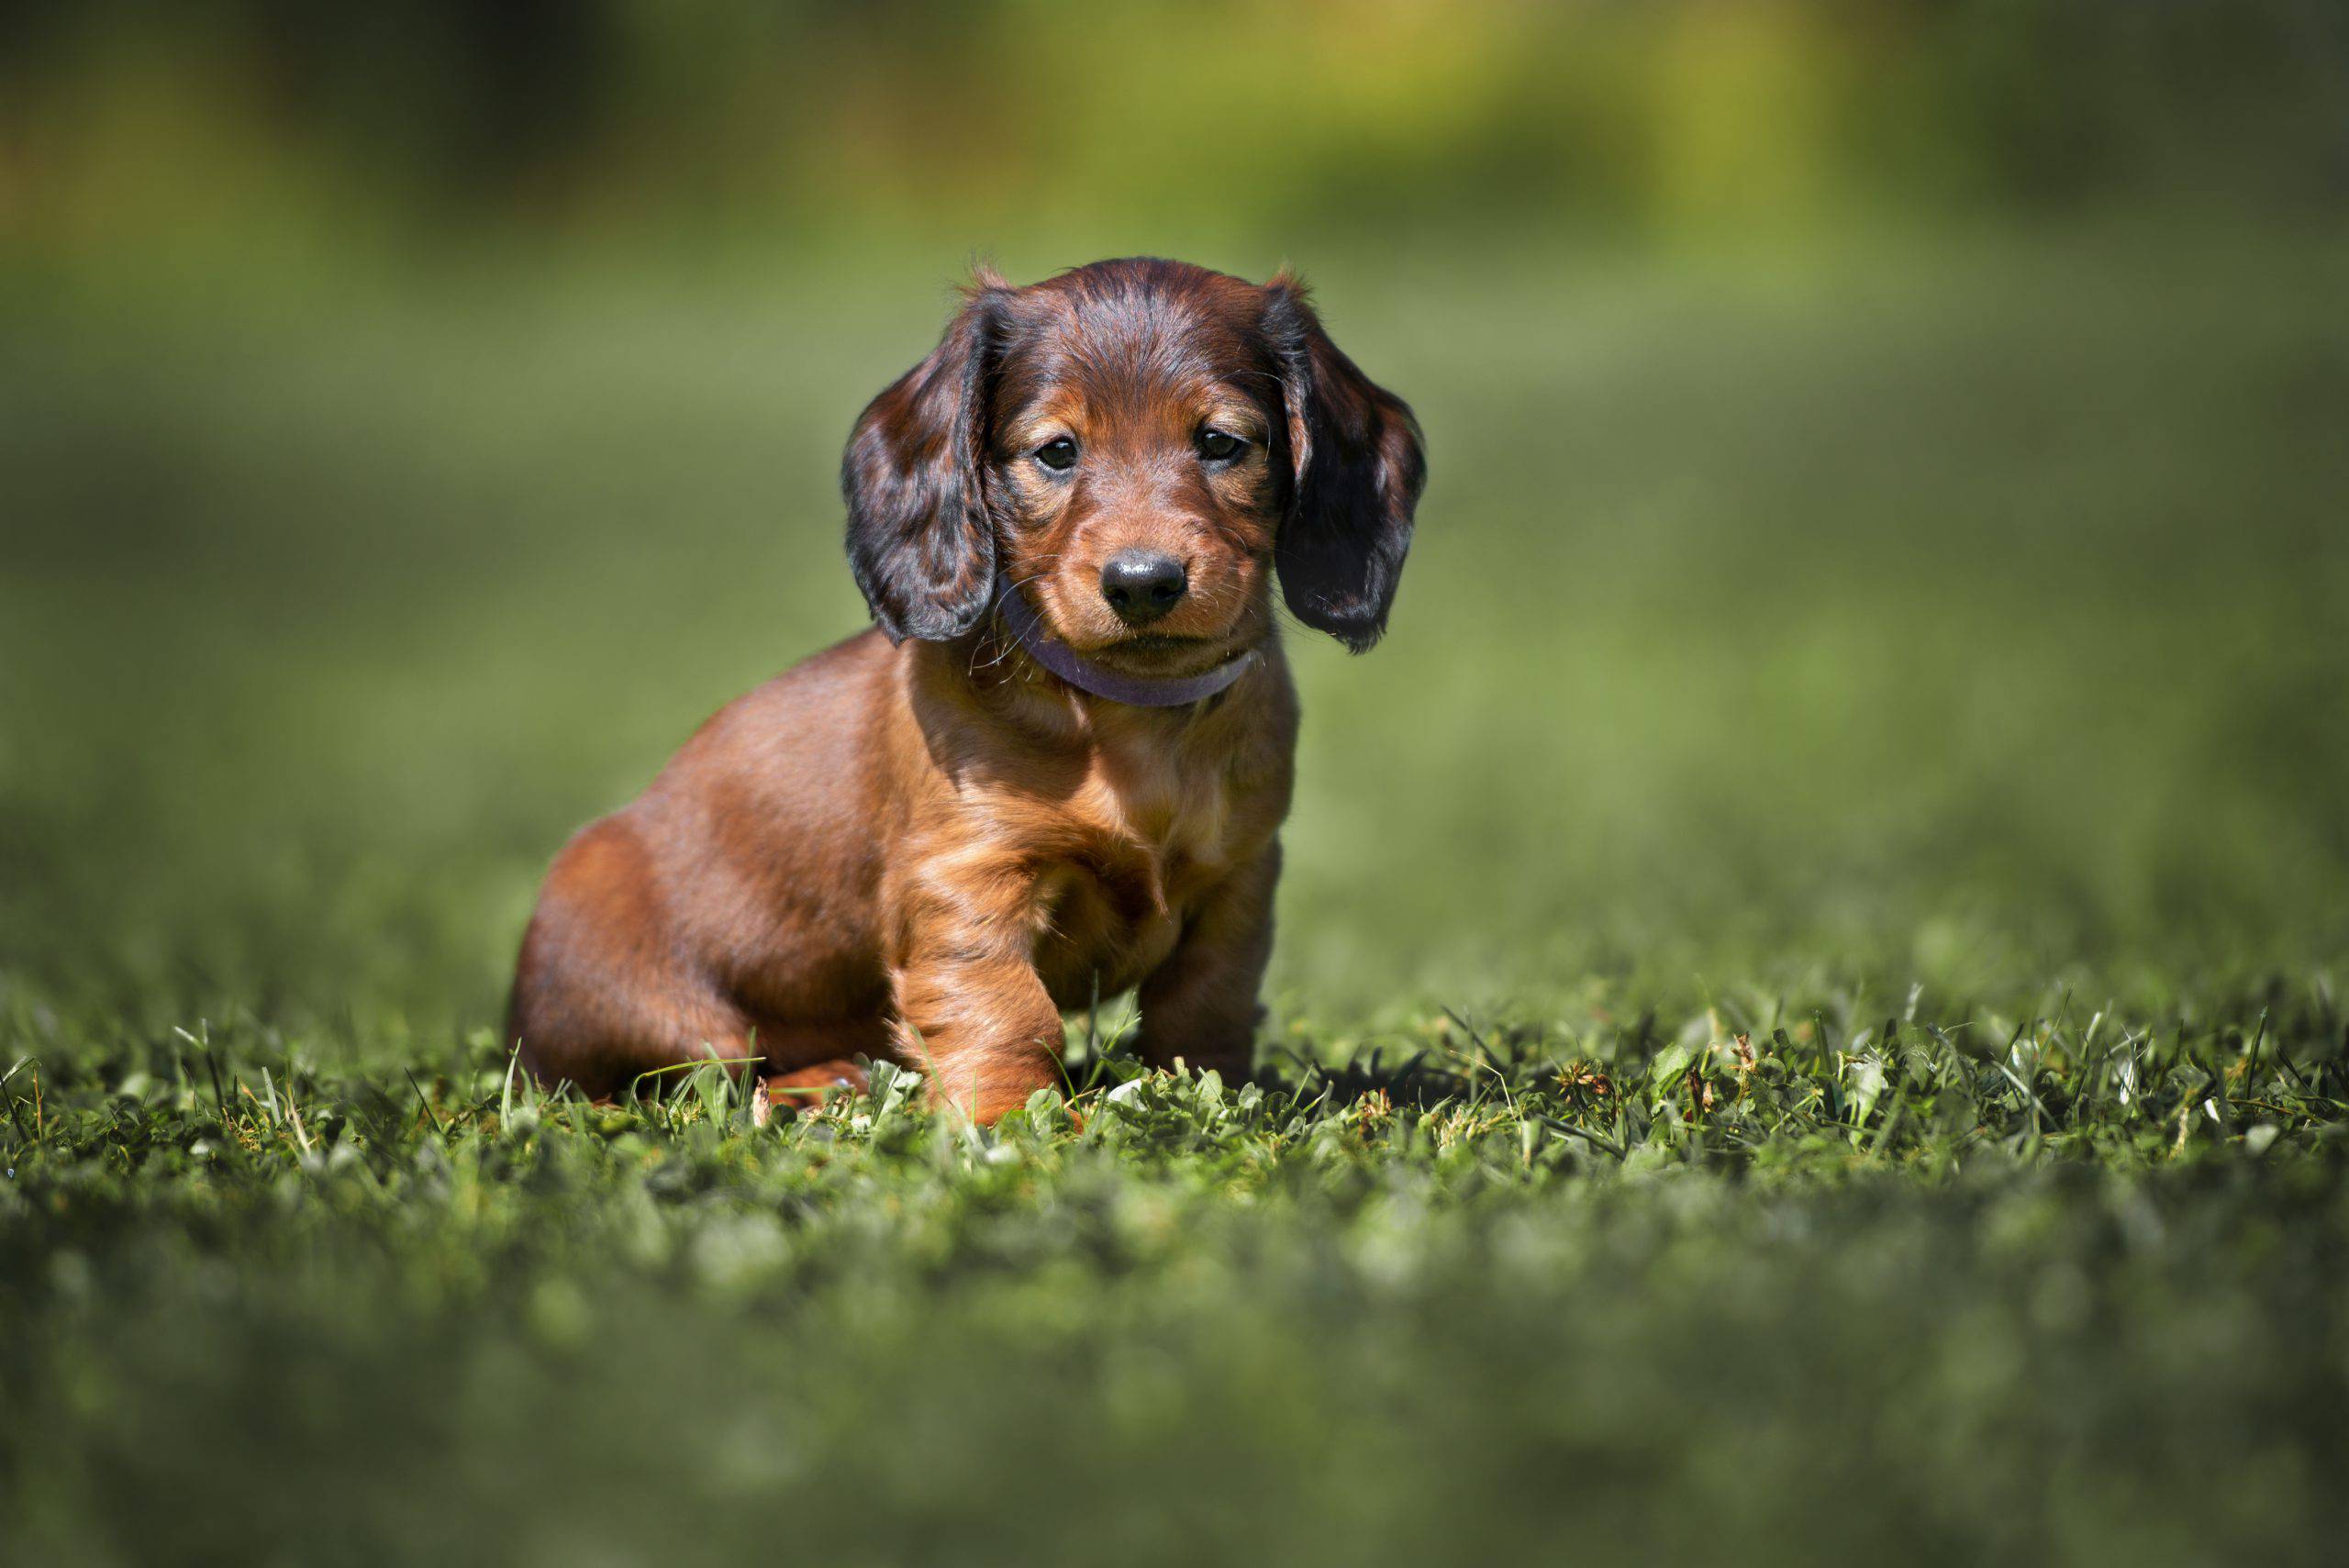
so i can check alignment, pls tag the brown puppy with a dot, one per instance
(1059, 765)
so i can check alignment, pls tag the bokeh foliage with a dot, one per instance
(821, 121)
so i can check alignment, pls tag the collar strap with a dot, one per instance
(1139, 690)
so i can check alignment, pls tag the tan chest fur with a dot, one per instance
(1154, 827)
(1099, 828)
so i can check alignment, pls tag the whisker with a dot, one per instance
(1004, 646)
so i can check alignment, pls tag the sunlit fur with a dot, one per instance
(1134, 371)
(920, 842)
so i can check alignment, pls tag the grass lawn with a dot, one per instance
(1806, 1020)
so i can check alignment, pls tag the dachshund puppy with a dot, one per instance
(1058, 765)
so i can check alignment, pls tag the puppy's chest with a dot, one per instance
(1151, 837)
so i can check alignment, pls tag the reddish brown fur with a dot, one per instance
(920, 844)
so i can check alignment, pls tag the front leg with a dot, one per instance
(972, 1013)
(1200, 1003)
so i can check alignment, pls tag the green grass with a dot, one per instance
(1921, 662)
(2075, 1294)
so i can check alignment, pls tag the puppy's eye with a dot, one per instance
(1058, 455)
(1221, 446)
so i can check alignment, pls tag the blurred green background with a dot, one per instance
(1888, 466)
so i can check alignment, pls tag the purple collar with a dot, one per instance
(1139, 690)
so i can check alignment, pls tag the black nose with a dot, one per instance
(1142, 585)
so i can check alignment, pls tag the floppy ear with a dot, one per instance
(1359, 470)
(919, 538)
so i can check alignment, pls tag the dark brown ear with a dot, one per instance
(919, 537)
(1358, 472)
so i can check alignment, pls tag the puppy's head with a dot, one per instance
(1137, 446)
